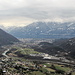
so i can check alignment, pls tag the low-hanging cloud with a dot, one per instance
(61, 10)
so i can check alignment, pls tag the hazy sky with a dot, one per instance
(23, 12)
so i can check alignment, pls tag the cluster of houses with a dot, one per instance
(47, 56)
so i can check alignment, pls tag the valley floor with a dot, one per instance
(16, 62)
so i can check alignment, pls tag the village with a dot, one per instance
(12, 64)
(9, 66)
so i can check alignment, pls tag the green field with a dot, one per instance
(26, 51)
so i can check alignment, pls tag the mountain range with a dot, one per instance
(41, 30)
(44, 30)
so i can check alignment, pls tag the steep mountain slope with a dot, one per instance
(48, 48)
(45, 30)
(69, 47)
(6, 38)
(62, 47)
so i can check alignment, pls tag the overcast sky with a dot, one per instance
(23, 12)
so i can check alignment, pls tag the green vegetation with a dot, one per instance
(27, 51)
(50, 70)
(73, 73)
(64, 69)
(48, 64)
(36, 73)
(44, 70)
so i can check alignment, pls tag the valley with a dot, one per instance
(33, 56)
(22, 58)
(37, 37)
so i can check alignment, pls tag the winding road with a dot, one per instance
(4, 54)
(59, 62)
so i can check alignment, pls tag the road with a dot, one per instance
(4, 54)
(42, 60)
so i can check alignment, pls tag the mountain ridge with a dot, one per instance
(6, 38)
(44, 30)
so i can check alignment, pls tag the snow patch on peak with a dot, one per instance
(70, 24)
(37, 27)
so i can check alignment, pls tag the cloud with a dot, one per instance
(18, 11)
